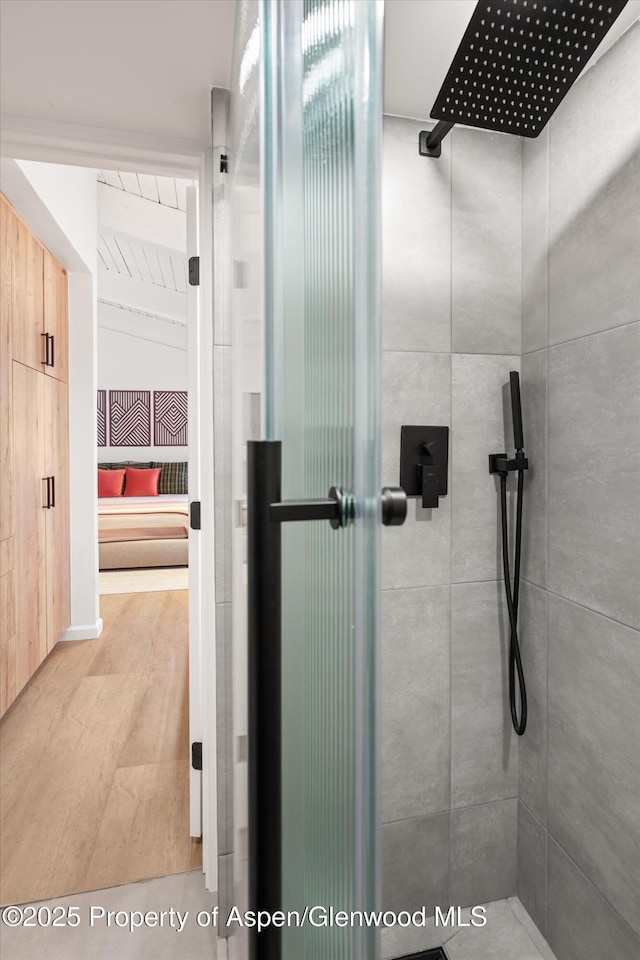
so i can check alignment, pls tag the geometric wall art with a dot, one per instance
(129, 418)
(170, 418)
(102, 418)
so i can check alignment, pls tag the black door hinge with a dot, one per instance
(196, 755)
(224, 163)
(194, 515)
(194, 271)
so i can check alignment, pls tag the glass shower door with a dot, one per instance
(309, 803)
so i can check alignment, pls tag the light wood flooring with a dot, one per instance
(94, 758)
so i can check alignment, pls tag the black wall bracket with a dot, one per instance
(430, 141)
(499, 462)
(424, 463)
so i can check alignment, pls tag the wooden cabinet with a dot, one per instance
(34, 457)
(56, 465)
(7, 227)
(27, 297)
(30, 539)
(55, 318)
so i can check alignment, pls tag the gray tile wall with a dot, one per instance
(451, 334)
(579, 762)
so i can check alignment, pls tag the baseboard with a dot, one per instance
(84, 631)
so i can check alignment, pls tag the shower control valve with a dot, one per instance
(424, 459)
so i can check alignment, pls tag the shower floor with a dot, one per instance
(509, 934)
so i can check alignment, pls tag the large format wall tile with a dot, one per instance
(484, 756)
(594, 761)
(581, 925)
(532, 746)
(534, 424)
(416, 241)
(486, 242)
(594, 472)
(481, 424)
(483, 853)
(416, 389)
(594, 199)
(532, 866)
(415, 715)
(535, 241)
(415, 863)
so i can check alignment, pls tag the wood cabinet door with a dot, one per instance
(27, 297)
(55, 317)
(30, 508)
(7, 230)
(56, 439)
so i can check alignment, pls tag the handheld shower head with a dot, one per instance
(516, 410)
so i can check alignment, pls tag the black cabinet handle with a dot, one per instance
(53, 491)
(48, 504)
(49, 350)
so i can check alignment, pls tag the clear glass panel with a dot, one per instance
(306, 112)
(247, 389)
(322, 87)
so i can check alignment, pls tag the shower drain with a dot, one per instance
(435, 954)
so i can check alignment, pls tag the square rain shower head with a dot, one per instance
(518, 59)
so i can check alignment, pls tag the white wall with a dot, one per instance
(60, 205)
(129, 363)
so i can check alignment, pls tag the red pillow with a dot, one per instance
(110, 483)
(142, 483)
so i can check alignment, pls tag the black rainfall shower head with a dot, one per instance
(518, 59)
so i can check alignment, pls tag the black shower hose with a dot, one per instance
(515, 660)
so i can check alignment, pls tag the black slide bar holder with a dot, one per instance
(266, 513)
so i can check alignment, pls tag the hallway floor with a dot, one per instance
(95, 758)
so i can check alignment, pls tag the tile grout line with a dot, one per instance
(450, 591)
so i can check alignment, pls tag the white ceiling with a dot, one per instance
(142, 258)
(148, 65)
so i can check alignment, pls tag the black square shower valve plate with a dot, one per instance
(518, 59)
(426, 448)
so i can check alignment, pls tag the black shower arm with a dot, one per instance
(430, 141)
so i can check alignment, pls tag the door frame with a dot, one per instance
(86, 146)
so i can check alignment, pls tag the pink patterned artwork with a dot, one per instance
(102, 418)
(170, 418)
(129, 418)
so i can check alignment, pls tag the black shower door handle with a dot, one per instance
(266, 514)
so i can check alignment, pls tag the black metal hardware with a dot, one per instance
(195, 518)
(516, 410)
(335, 509)
(196, 755)
(194, 271)
(224, 163)
(53, 350)
(499, 463)
(424, 463)
(48, 504)
(515, 63)
(264, 588)
(53, 491)
(430, 141)
(394, 506)
(48, 354)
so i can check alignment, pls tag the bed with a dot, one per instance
(143, 531)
